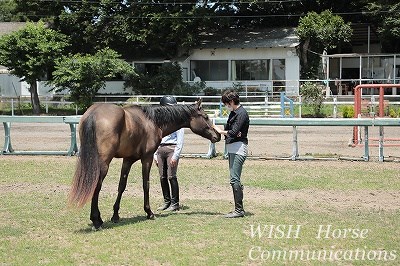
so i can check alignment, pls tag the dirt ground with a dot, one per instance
(369, 199)
(271, 143)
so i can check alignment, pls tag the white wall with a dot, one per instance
(292, 63)
(114, 87)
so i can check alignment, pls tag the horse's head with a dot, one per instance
(202, 125)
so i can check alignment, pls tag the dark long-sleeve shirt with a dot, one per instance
(238, 121)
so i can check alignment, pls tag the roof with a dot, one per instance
(8, 27)
(244, 38)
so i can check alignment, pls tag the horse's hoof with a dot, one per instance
(115, 219)
(151, 216)
(94, 228)
(97, 225)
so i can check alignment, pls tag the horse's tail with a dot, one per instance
(87, 171)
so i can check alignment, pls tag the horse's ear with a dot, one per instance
(198, 103)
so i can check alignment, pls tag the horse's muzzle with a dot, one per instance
(216, 138)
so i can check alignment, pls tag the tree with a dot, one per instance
(36, 10)
(84, 75)
(318, 33)
(7, 8)
(30, 52)
(385, 14)
(165, 79)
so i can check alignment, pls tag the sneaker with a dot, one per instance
(164, 207)
(235, 214)
(173, 207)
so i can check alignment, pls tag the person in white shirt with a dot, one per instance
(167, 158)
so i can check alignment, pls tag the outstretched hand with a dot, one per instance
(173, 163)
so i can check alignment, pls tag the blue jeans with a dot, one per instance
(236, 162)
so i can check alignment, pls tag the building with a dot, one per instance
(263, 60)
(361, 63)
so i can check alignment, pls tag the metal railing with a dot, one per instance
(72, 121)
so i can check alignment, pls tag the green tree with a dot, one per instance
(30, 52)
(167, 79)
(36, 10)
(318, 33)
(84, 75)
(385, 14)
(7, 10)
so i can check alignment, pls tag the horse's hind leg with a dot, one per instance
(146, 166)
(95, 212)
(126, 167)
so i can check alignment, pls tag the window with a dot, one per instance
(148, 68)
(278, 69)
(278, 74)
(251, 69)
(209, 70)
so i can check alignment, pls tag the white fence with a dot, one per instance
(257, 106)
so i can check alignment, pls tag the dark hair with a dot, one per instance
(163, 115)
(230, 95)
(168, 100)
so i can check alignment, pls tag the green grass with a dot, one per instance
(36, 228)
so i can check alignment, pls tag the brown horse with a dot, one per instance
(134, 132)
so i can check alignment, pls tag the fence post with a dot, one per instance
(12, 106)
(295, 147)
(282, 104)
(47, 105)
(366, 144)
(335, 106)
(381, 139)
(7, 138)
(211, 151)
(300, 106)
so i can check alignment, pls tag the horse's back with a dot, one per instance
(108, 122)
(103, 109)
(140, 135)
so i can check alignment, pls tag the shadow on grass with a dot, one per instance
(142, 218)
(184, 210)
(109, 224)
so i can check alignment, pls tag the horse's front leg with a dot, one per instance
(146, 166)
(126, 167)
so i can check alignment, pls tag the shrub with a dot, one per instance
(313, 97)
(348, 111)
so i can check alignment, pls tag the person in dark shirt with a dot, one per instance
(235, 132)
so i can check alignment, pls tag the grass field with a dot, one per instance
(347, 213)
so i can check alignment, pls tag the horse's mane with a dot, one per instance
(163, 115)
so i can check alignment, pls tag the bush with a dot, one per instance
(392, 113)
(348, 111)
(313, 97)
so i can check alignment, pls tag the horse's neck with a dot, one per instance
(168, 129)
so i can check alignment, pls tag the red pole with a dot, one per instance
(381, 102)
(357, 102)
(357, 110)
